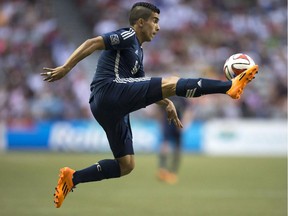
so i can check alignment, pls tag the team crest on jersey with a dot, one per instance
(114, 39)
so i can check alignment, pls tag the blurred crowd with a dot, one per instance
(31, 39)
(195, 39)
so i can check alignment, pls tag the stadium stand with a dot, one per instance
(195, 39)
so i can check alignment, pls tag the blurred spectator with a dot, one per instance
(169, 155)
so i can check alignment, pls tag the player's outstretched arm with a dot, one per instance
(171, 112)
(84, 50)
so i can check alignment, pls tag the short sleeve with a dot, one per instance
(120, 39)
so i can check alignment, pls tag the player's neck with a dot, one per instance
(138, 34)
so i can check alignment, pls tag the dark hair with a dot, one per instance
(142, 10)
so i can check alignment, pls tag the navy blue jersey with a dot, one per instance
(119, 88)
(122, 58)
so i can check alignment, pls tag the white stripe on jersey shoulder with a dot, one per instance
(128, 34)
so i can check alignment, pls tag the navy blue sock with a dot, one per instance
(104, 169)
(198, 87)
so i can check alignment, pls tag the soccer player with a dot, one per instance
(170, 149)
(120, 87)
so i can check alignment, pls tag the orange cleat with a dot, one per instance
(162, 174)
(240, 82)
(171, 178)
(64, 186)
(166, 176)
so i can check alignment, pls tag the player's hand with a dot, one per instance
(53, 74)
(172, 115)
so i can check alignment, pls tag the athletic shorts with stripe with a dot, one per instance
(112, 103)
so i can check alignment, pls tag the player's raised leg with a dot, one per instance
(201, 86)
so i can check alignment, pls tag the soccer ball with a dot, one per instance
(236, 64)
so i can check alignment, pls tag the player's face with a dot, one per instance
(150, 27)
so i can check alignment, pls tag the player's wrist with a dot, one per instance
(67, 67)
(166, 102)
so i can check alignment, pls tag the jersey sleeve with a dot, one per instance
(120, 39)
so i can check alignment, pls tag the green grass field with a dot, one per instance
(208, 186)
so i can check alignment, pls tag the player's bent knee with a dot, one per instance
(169, 81)
(126, 164)
(126, 168)
(169, 86)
